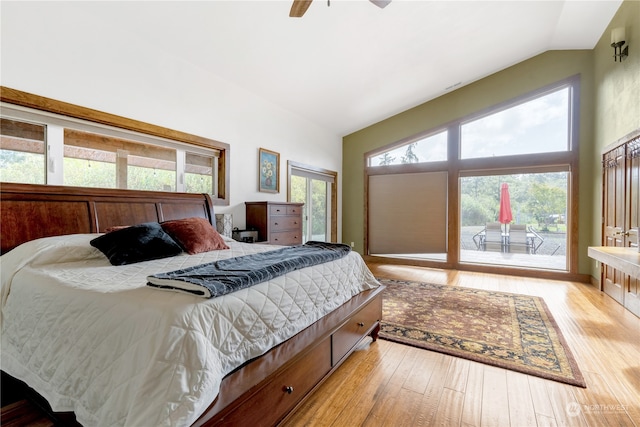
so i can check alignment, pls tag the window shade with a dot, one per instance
(313, 175)
(407, 213)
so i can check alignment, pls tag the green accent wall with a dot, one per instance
(609, 109)
(616, 101)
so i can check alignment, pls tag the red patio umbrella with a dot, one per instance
(505, 216)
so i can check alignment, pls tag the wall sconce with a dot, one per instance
(224, 224)
(617, 41)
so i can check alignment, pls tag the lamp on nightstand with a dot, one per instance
(224, 224)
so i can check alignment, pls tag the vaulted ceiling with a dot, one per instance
(348, 64)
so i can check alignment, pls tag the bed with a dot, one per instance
(96, 342)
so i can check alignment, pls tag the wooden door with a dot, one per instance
(633, 193)
(631, 294)
(614, 202)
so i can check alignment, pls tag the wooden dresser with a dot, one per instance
(278, 223)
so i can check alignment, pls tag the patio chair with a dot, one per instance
(493, 240)
(518, 240)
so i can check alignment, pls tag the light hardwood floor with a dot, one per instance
(389, 384)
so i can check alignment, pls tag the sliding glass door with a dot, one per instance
(314, 189)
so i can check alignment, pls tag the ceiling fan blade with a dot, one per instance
(299, 7)
(381, 3)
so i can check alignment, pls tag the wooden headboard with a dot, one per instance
(29, 211)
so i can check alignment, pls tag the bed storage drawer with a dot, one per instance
(280, 395)
(257, 394)
(349, 334)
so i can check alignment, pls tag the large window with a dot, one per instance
(533, 202)
(45, 148)
(526, 147)
(539, 125)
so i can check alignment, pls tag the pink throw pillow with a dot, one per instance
(195, 235)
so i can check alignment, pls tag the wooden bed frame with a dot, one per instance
(261, 392)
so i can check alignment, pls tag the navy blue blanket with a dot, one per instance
(229, 275)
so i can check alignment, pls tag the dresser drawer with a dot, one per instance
(294, 210)
(284, 210)
(287, 388)
(278, 210)
(345, 338)
(286, 238)
(281, 223)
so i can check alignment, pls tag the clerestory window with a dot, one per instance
(38, 147)
(423, 149)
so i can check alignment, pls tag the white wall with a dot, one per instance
(63, 51)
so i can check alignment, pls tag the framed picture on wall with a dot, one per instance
(268, 171)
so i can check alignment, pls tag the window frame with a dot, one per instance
(404, 143)
(500, 108)
(329, 176)
(456, 167)
(20, 136)
(15, 100)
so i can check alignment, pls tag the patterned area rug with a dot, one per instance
(512, 331)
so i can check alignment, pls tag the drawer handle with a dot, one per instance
(360, 324)
(287, 389)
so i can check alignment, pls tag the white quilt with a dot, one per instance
(94, 339)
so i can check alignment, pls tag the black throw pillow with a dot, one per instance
(137, 243)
